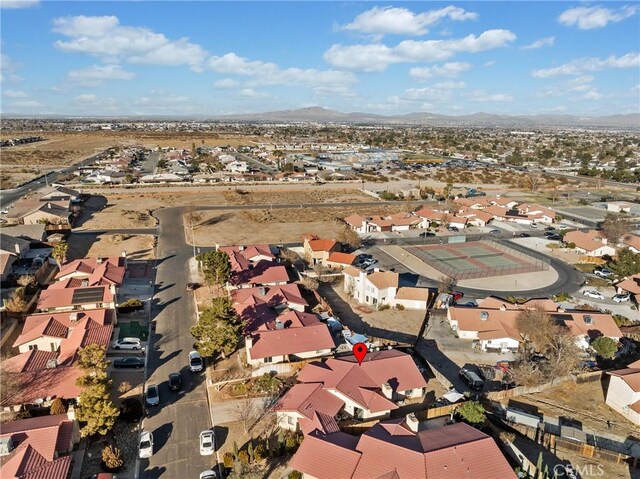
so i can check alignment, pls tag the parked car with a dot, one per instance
(471, 379)
(207, 443)
(589, 293)
(549, 228)
(563, 227)
(453, 228)
(146, 444)
(192, 286)
(426, 234)
(175, 381)
(534, 225)
(495, 232)
(152, 395)
(554, 237)
(524, 235)
(127, 343)
(602, 272)
(208, 474)
(619, 298)
(4, 211)
(130, 362)
(195, 362)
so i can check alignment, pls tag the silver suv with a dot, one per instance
(127, 343)
(195, 362)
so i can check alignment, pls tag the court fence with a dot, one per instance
(530, 261)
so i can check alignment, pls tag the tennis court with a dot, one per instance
(479, 259)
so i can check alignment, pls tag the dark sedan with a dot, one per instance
(130, 362)
(175, 381)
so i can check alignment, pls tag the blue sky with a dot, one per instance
(213, 58)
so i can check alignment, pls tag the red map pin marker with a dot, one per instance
(360, 350)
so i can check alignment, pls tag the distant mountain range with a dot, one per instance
(323, 115)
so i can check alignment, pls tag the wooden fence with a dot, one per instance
(441, 411)
(587, 450)
(520, 390)
(359, 428)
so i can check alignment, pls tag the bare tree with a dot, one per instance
(309, 283)
(247, 413)
(614, 227)
(533, 180)
(446, 284)
(9, 381)
(527, 373)
(349, 237)
(563, 352)
(26, 280)
(445, 219)
(535, 326)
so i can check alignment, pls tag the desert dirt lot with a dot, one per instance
(276, 226)
(90, 245)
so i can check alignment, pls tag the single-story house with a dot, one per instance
(623, 393)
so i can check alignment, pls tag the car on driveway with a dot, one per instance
(590, 293)
(524, 235)
(130, 362)
(207, 443)
(127, 343)
(195, 362)
(146, 444)
(472, 379)
(619, 298)
(175, 381)
(152, 395)
(554, 237)
(602, 272)
(549, 228)
(534, 225)
(453, 228)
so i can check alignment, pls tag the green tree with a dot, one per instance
(472, 412)
(604, 346)
(218, 329)
(92, 360)
(57, 407)
(216, 267)
(627, 263)
(59, 252)
(96, 410)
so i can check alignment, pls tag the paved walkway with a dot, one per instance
(78, 458)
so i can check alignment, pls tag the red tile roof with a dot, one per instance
(390, 450)
(322, 244)
(263, 272)
(630, 375)
(281, 342)
(55, 298)
(32, 360)
(110, 270)
(342, 258)
(308, 399)
(57, 382)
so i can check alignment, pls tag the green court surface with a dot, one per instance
(133, 329)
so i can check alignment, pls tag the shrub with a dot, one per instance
(132, 303)
(57, 407)
(400, 307)
(295, 475)
(112, 457)
(259, 453)
(571, 245)
(291, 444)
(24, 414)
(266, 383)
(605, 347)
(563, 297)
(383, 307)
(243, 457)
(228, 460)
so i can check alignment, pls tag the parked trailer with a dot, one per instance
(521, 417)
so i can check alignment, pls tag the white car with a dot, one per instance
(127, 343)
(4, 211)
(562, 227)
(619, 298)
(195, 362)
(146, 444)
(593, 294)
(208, 474)
(207, 443)
(152, 395)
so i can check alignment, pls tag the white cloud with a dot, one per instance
(334, 91)
(161, 100)
(95, 74)
(14, 94)
(450, 85)
(251, 93)
(543, 42)
(586, 18)
(577, 67)
(105, 38)
(376, 57)
(8, 68)
(578, 84)
(266, 73)
(452, 69)
(27, 104)
(18, 3)
(490, 63)
(400, 21)
(225, 83)
(636, 88)
(592, 95)
(482, 96)
(86, 98)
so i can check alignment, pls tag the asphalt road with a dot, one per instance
(10, 196)
(178, 420)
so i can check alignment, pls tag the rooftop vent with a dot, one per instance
(84, 283)
(73, 316)
(6, 446)
(503, 307)
(52, 363)
(99, 260)
(279, 324)
(484, 315)
(588, 319)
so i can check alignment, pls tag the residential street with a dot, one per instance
(178, 420)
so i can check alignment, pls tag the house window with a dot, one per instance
(374, 301)
(54, 347)
(33, 347)
(268, 360)
(290, 420)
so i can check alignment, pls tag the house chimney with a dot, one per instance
(241, 248)
(387, 391)
(412, 422)
(73, 316)
(84, 283)
(71, 412)
(279, 324)
(263, 290)
(99, 260)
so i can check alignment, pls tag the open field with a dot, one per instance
(276, 226)
(86, 245)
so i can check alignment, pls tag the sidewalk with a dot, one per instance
(78, 458)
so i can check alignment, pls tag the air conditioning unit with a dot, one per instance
(52, 363)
